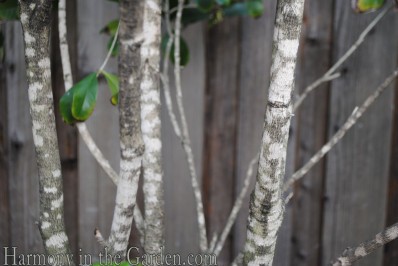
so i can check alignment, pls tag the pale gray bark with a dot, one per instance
(36, 20)
(131, 143)
(266, 205)
(350, 255)
(150, 125)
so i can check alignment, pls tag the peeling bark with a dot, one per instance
(150, 117)
(35, 18)
(266, 205)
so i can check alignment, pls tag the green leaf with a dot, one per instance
(115, 50)
(237, 9)
(362, 6)
(205, 5)
(223, 2)
(184, 50)
(113, 84)
(9, 10)
(111, 27)
(84, 97)
(65, 105)
(255, 8)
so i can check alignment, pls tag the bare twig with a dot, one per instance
(237, 206)
(185, 139)
(356, 114)
(109, 54)
(82, 128)
(331, 73)
(351, 255)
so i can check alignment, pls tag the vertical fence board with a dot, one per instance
(357, 168)
(181, 219)
(221, 115)
(314, 57)
(254, 70)
(391, 249)
(23, 175)
(4, 162)
(96, 191)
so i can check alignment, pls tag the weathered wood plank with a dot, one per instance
(4, 163)
(23, 181)
(314, 61)
(96, 191)
(181, 221)
(391, 249)
(221, 116)
(67, 135)
(357, 168)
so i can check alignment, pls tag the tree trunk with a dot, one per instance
(150, 117)
(266, 204)
(131, 143)
(36, 20)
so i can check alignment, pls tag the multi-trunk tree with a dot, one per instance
(136, 91)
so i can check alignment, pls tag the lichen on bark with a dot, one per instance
(266, 205)
(36, 19)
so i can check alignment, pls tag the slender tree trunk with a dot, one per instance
(36, 21)
(150, 116)
(266, 204)
(131, 143)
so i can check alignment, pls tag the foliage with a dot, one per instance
(362, 6)
(9, 10)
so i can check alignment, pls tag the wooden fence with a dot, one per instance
(345, 199)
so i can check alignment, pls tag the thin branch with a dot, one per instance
(237, 206)
(356, 114)
(331, 73)
(351, 255)
(185, 139)
(109, 54)
(82, 128)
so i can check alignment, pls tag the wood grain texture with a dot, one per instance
(314, 61)
(391, 249)
(357, 169)
(4, 162)
(23, 180)
(181, 220)
(67, 135)
(96, 191)
(221, 118)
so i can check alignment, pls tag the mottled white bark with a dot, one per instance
(266, 205)
(131, 143)
(350, 255)
(185, 139)
(36, 22)
(82, 128)
(150, 125)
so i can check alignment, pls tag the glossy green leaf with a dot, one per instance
(85, 97)
(205, 5)
(115, 50)
(362, 6)
(113, 84)
(9, 10)
(111, 27)
(184, 50)
(65, 105)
